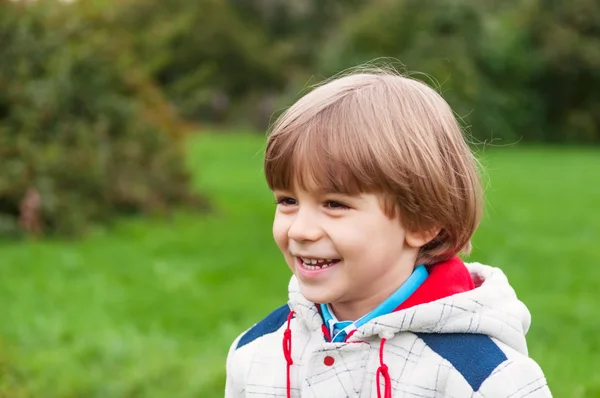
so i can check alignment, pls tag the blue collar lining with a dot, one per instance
(340, 329)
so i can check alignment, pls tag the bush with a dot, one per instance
(201, 53)
(84, 136)
(520, 72)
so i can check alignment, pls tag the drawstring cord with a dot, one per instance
(287, 352)
(326, 333)
(383, 371)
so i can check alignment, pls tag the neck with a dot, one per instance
(354, 309)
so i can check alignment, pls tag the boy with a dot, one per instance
(377, 192)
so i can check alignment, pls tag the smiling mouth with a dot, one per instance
(316, 263)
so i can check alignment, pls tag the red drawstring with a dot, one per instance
(287, 351)
(326, 333)
(350, 334)
(383, 370)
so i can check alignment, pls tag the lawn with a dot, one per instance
(149, 309)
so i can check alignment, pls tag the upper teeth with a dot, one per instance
(314, 261)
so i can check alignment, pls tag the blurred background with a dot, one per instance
(135, 223)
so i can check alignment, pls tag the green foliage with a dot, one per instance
(566, 38)
(197, 49)
(295, 26)
(80, 125)
(524, 71)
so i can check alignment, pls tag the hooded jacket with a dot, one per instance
(461, 334)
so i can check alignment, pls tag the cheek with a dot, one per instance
(280, 231)
(391, 242)
(353, 241)
(376, 240)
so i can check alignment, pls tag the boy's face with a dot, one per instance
(344, 250)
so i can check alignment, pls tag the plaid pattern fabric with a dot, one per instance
(471, 344)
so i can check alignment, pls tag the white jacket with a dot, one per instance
(470, 344)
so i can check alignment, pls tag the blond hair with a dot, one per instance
(381, 132)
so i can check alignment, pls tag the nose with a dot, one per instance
(305, 227)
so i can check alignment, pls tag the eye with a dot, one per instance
(287, 201)
(332, 204)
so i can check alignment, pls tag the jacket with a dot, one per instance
(469, 342)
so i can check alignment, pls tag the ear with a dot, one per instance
(419, 239)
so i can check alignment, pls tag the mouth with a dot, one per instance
(315, 264)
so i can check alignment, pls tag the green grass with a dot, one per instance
(149, 309)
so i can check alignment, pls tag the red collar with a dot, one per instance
(445, 279)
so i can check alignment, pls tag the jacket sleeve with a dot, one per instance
(518, 377)
(234, 385)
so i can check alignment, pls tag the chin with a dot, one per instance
(319, 295)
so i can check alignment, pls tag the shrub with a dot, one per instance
(84, 135)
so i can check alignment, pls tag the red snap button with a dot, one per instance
(328, 361)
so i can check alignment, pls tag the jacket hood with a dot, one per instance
(490, 308)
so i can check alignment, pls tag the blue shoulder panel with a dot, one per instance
(475, 356)
(270, 324)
